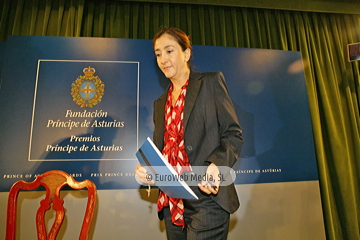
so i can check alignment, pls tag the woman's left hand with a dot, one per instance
(211, 184)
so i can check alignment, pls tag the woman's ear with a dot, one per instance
(187, 54)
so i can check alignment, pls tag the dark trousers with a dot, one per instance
(203, 220)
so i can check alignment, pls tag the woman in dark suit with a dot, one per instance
(195, 125)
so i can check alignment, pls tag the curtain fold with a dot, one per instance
(332, 82)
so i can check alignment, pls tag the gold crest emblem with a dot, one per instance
(87, 90)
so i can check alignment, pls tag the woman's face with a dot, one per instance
(171, 59)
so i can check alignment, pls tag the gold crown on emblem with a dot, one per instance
(89, 71)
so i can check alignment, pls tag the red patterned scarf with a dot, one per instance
(174, 151)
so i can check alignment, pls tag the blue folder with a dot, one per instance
(151, 158)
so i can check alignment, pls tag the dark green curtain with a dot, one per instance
(332, 82)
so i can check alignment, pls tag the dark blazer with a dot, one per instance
(212, 131)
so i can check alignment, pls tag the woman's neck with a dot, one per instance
(180, 81)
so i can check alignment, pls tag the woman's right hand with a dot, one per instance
(141, 175)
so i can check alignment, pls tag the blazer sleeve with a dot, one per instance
(231, 140)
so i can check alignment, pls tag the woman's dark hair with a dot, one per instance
(179, 36)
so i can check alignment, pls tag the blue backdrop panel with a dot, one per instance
(2, 52)
(267, 87)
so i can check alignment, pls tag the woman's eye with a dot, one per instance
(169, 51)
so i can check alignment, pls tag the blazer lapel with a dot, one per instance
(159, 115)
(191, 94)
